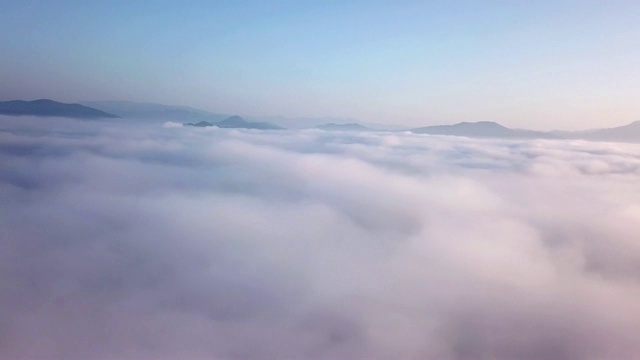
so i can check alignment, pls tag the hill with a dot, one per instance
(625, 133)
(155, 112)
(46, 107)
(484, 129)
(236, 122)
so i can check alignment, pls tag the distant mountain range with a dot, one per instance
(45, 107)
(487, 129)
(626, 133)
(185, 114)
(200, 118)
(155, 112)
(236, 122)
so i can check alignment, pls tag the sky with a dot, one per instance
(139, 241)
(533, 64)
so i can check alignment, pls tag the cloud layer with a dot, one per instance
(147, 242)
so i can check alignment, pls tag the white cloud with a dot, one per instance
(172, 124)
(122, 241)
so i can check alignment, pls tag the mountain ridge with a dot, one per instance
(201, 118)
(237, 122)
(51, 108)
(155, 112)
(487, 129)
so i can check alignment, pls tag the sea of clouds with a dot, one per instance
(125, 241)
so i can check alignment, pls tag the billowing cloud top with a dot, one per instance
(148, 242)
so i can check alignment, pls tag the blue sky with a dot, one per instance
(535, 64)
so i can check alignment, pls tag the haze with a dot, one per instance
(539, 65)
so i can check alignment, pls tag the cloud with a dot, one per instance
(125, 241)
(172, 124)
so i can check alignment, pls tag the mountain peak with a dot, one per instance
(487, 129)
(232, 121)
(486, 124)
(480, 128)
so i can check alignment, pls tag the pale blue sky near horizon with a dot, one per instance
(533, 64)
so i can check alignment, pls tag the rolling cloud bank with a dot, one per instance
(124, 241)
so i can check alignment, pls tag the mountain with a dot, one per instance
(343, 127)
(157, 112)
(299, 122)
(185, 114)
(46, 107)
(236, 122)
(200, 124)
(484, 129)
(626, 133)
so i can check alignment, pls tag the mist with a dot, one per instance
(148, 241)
